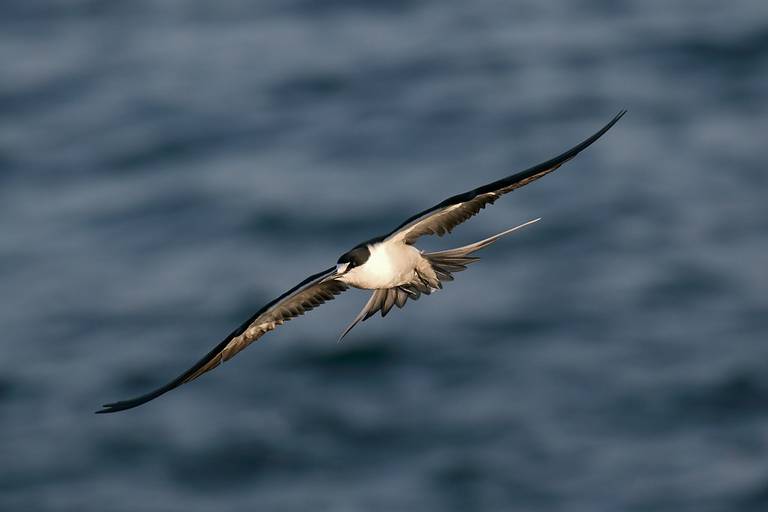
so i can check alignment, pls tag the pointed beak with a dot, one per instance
(341, 269)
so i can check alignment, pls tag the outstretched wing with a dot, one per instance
(443, 217)
(305, 296)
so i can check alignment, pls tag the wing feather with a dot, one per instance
(443, 217)
(305, 296)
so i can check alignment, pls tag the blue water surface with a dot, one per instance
(166, 167)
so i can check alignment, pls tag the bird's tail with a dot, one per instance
(444, 263)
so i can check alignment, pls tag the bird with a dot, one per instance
(389, 265)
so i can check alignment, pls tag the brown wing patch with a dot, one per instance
(444, 216)
(443, 221)
(305, 296)
(285, 310)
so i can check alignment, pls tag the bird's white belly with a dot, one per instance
(389, 265)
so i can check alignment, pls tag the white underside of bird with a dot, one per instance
(390, 264)
(393, 263)
(397, 271)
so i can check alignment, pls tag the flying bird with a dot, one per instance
(389, 265)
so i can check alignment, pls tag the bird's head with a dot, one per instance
(354, 258)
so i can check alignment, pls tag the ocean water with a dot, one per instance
(166, 167)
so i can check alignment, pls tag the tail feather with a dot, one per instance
(466, 250)
(369, 309)
(443, 263)
(402, 297)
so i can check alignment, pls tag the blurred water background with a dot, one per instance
(166, 167)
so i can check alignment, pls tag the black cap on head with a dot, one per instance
(355, 257)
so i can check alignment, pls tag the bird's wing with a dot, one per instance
(443, 217)
(305, 296)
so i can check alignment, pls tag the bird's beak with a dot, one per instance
(341, 269)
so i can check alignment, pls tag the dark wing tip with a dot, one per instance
(119, 406)
(122, 405)
(543, 167)
(561, 159)
(579, 148)
(135, 402)
(114, 407)
(192, 373)
(617, 117)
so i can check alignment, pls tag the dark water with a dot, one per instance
(168, 167)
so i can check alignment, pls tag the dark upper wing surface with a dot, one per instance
(305, 296)
(443, 217)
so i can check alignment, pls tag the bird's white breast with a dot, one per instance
(389, 265)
